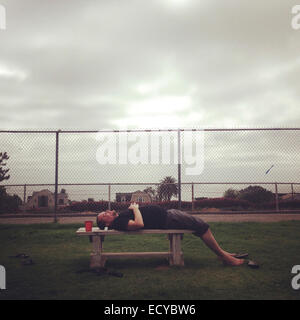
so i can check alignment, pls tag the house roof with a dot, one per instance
(37, 192)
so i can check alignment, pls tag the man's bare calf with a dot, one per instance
(226, 257)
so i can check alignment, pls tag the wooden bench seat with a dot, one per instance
(99, 257)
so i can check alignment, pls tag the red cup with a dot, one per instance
(88, 226)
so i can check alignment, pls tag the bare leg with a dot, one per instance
(226, 257)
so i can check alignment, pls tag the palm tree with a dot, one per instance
(167, 189)
(152, 193)
(3, 172)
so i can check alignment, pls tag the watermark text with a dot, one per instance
(2, 17)
(296, 279)
(171, 148)
(295, 23)
(2, 278)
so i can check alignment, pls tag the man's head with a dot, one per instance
(106, 218)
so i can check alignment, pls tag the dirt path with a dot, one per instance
(206, 217)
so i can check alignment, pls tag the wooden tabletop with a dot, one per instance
(98, 232)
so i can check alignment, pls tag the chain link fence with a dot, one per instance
(191, 169)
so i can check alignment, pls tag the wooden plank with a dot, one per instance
(97, 259)
(135, 254)
(97, 231)
(170, 237)
(97, 245)
(176, 253)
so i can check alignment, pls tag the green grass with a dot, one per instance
(59, 254)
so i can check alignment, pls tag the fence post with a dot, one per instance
(292, 185)
(56, 176)
(109, 204)
(276, 197)
(24, 198)
(179, 168)
(193, 204)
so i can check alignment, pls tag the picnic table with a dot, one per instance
(99, 257)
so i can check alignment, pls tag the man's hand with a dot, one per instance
(138, 222)
(133, 206)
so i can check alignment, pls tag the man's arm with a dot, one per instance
(138, 222)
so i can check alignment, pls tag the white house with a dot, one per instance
(290, 196)
(137, 196)
(45, 199)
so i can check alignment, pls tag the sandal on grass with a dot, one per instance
(252, 264)
(27, 262)
(102, 271)
(20, 255)
(241, 255)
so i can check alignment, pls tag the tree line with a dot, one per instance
(8, 203)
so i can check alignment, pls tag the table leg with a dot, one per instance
(176, 258)
(97, 261)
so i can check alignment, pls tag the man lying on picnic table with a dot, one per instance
(155, 217)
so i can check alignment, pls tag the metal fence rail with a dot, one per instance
(111, 188)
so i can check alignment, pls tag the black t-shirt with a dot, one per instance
(154, 218)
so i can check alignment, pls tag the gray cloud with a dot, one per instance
(87, 59)
(147, 64)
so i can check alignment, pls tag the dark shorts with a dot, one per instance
(177, 219)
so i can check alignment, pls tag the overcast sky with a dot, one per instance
(159, 63)
(111, 64)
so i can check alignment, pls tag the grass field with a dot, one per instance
(59, 254)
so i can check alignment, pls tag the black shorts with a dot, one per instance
(177, 219)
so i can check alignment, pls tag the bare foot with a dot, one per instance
(231, 254)
(229, 260)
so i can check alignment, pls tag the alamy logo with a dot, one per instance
(296, 279)
(2, 278)
(295, 23)
(153, 148)
(2, 17)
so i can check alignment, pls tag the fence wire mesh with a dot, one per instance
(112, 166)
